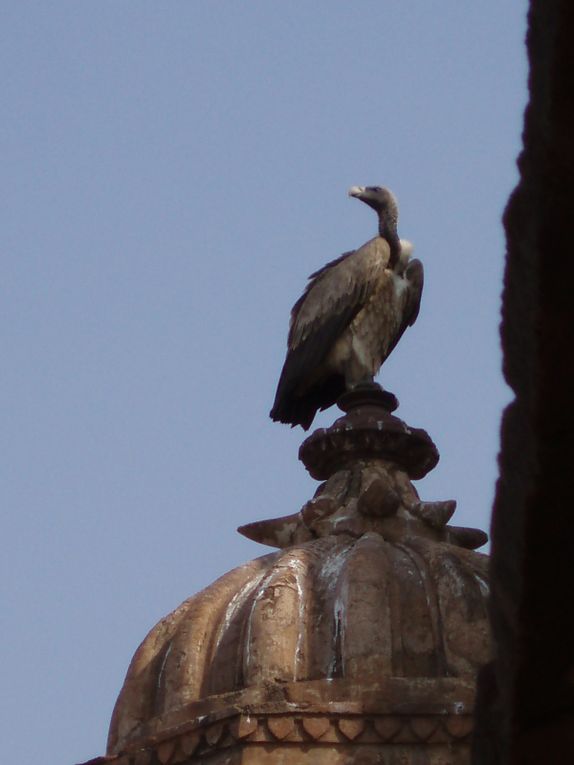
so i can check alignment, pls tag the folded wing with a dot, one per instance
(333, 298)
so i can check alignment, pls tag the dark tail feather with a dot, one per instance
(301, 410)
(293, 413)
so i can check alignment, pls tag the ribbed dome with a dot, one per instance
(373, 606)
(334, 607)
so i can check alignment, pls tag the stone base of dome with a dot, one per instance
(323, 721)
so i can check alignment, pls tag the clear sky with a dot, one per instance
(171, 173)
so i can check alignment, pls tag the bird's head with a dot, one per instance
(379, 198)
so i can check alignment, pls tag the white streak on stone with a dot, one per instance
(233, 606)
(331, 573)
(482, 583)
(162, 668)
(262, 584)
(299, 574)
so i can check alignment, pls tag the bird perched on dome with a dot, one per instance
(350, 317)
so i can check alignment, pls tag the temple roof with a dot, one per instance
(372, 606)
(338, 607)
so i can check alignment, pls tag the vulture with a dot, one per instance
(351, 315)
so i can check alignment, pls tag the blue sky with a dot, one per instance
(172, 172)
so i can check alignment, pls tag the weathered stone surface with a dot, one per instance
(436, 514)
(335, 607)
(357, 641)
(188, 743)
(467, 537)
(166, 750)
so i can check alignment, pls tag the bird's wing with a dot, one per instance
(332, 299)
(335, 294)
(414, 276)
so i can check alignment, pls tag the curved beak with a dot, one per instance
(356, 191)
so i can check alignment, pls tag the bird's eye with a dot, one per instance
(377, 189)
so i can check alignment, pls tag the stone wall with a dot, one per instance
(526, 698)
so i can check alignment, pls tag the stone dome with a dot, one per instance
(336, 607)
(365, 629)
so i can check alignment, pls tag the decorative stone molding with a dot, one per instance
(319, 713)
(368, 431)
(305, 729)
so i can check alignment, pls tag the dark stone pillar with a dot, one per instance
(526, 697)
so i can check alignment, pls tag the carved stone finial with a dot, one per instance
(368, 458)
(368, 431)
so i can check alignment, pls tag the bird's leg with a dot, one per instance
(357, 376)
